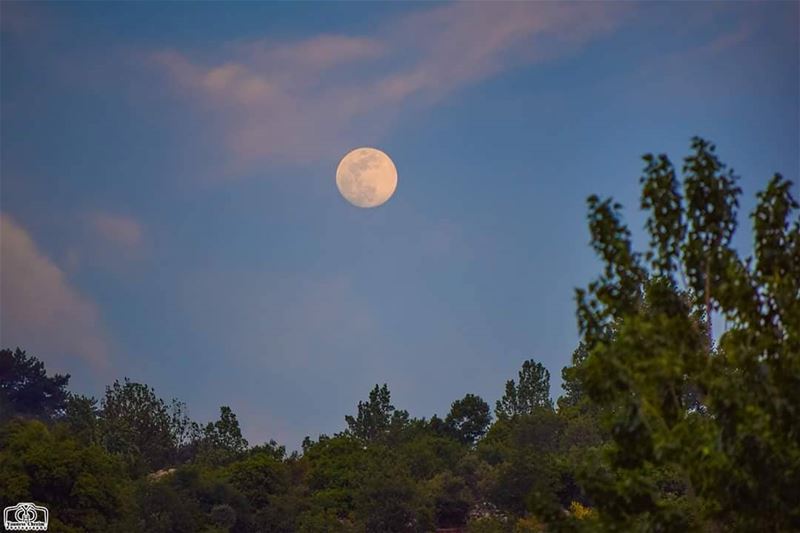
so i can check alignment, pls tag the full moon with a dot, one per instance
(366, 177)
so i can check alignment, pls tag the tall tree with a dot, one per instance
(222, 441)
(704, 433)
(531, 392)
(82, 417)
(26, 390)
(468, 418)
(376, 416)
(571, 380)
(137, 424)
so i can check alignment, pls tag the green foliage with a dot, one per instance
(82, 418)
(529, 524)
(271, 448)
(530, 393)
(704, 435)
(387, 499)
(451, 498)
(428, 453)
(259, 477)
(136, 425)
(335, 462)
(83, 486)
(26, 390)
(221, 441)
(571, 382)
(319, 518)
(190, 499)
(489, 524)
(376, 417)
(223, 517)
(528, 477)
(469, 418)
(266, 484)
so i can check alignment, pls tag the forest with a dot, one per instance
(680, 410)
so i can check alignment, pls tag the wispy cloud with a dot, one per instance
(41, 309)
(119, 230)
(728, 40)
(302, 100)
(718, 60)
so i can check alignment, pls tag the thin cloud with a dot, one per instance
(463, 43)
(302, 100)
(704, 69)
(728, 41)
(119, 230)
(41, 310)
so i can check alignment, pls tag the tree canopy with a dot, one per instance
(715, 419)
(26, 389)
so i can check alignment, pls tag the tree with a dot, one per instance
(451, 499)
(137, 425)
(335, 465)
(376, 417)
(84, 488)
(192, 498)
(468, 418)
(82, 417)
(571, 381)
(222, 441)
(271, 448)
(186, 433)
(264, 481)
(704, 434)
(387, 499)
(527, 474)
(26, 390)
(426, 453)
(532, 392)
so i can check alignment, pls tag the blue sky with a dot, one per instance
(169, 208)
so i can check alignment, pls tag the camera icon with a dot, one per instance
(25, 516)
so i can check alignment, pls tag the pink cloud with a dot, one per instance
(119, 230)
(307, 99)
(727, 41)
(463, 43)
(687, 71)
(316, 54)
(41, 310)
